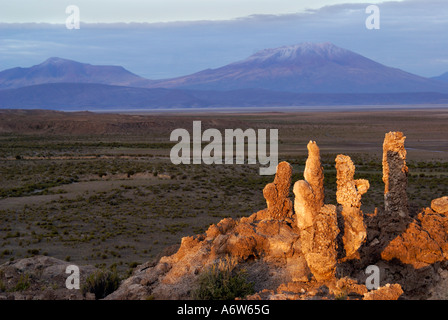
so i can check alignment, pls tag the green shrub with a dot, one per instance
(101, 283)
(223, 282)
(23, 283)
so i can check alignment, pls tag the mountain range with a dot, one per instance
(303, 74)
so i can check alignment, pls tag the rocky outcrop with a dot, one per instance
(269, 250)
(287, 254)
(348, 195)
(277, 192)
(289, 250)
(39, 278)
(340, 289)
(387, 292)
(425, 241)
(317, 222)
(440, 205)
(267, 243)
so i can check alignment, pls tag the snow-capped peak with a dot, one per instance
(286, 53)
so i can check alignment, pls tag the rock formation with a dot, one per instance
(395, 174)
(319, 243)
(269, 249)
(290, 251)
(317, 222)
(309, 193)
(267, 243)
(387, 292)
(440, 205)
(425, 241)
(277, 192)
(343, 289)
(348, 195)
(279, 254)
(314, 173)
(40, 278)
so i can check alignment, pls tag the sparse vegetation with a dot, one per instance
(223, 282)
(23, 283)
(101, 283)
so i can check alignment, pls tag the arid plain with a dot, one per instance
(100, 189)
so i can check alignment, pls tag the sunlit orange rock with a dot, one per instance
(424, 242)
(277, 192)
(440, 205)
(309, 193)
(314, 173)
(348, 195)
(387, 292)
(395, 174)
(318, 223)
(319, 243)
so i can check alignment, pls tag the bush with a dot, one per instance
(101, 283)
(23, 283)
(223, 282)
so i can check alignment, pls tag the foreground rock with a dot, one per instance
(440, 205)
(39, 278)
(268, 249)
(270, 252)
(425, 241)
(340, 289)
(388, 292)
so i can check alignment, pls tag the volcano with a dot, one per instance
(306, 68)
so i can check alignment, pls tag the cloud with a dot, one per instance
(109, 11)
(412, 37)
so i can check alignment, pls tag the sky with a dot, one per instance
(110, 11)
(160, 39)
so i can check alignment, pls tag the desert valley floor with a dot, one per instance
(100, 189)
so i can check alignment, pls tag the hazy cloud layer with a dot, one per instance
(109, 11)
(412, 37)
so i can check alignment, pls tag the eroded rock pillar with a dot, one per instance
(395, 175)
(317, 222)
(277, 192)
(348, 195)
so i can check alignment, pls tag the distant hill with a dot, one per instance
(306, 68)
(57, 70)
(85, 96)
(442, 77)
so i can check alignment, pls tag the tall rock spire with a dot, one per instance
(317, 222)
(395, 175)
(348, 195)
